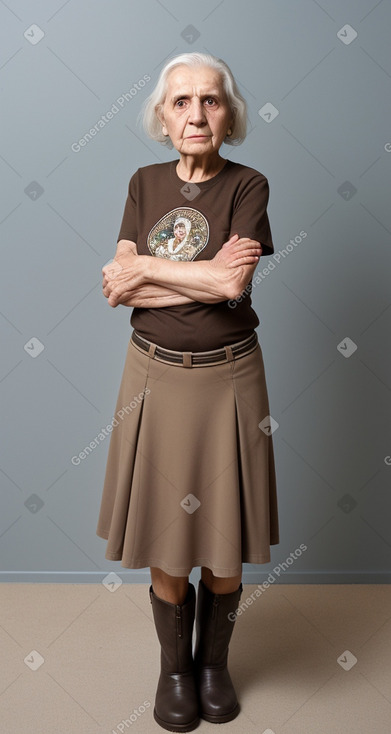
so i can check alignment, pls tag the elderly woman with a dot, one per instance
(190, 477)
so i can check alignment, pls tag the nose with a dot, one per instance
(196, 112)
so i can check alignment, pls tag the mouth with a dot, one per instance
(198, 137)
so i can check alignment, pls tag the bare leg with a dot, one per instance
(219, 585)
(169, 588)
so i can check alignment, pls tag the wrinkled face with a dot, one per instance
(195, 113)
(180, 231)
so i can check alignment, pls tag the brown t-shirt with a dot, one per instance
(168, 217)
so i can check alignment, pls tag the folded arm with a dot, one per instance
(149, 282)
(150, 295)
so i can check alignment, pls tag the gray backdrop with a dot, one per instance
(317, 77)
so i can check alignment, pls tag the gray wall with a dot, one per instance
(327, 155)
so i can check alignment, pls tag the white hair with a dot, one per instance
(237, 104)
(185, 221)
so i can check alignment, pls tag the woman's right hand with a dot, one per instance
(237, 251)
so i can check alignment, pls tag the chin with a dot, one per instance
(203, 143)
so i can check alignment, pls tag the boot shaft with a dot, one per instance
(174, 628)
(214, 625)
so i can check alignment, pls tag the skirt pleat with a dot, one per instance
(190, 477)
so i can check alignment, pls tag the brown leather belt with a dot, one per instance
(196, 359)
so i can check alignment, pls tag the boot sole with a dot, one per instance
(223, 718)
(176, 727)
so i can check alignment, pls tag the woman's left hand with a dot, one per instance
(119, 282)
(237, 251)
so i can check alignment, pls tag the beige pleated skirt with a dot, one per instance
(190, 477)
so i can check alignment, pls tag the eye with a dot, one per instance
(180, 103)
(210, 100)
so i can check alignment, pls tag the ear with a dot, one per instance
(160, 116)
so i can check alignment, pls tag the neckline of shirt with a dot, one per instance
(201, 184)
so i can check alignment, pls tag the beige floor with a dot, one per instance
(78, 658)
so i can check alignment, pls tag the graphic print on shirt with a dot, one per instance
(180, 235)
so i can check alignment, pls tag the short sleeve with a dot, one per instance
(250, 218)
(128, 229)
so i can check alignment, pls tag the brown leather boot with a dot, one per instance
(218, 701)
(176, 704)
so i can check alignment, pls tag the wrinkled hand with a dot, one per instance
(123, 257)
(237, 251)
(119, 281)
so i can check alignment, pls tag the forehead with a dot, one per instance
(199, 78)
